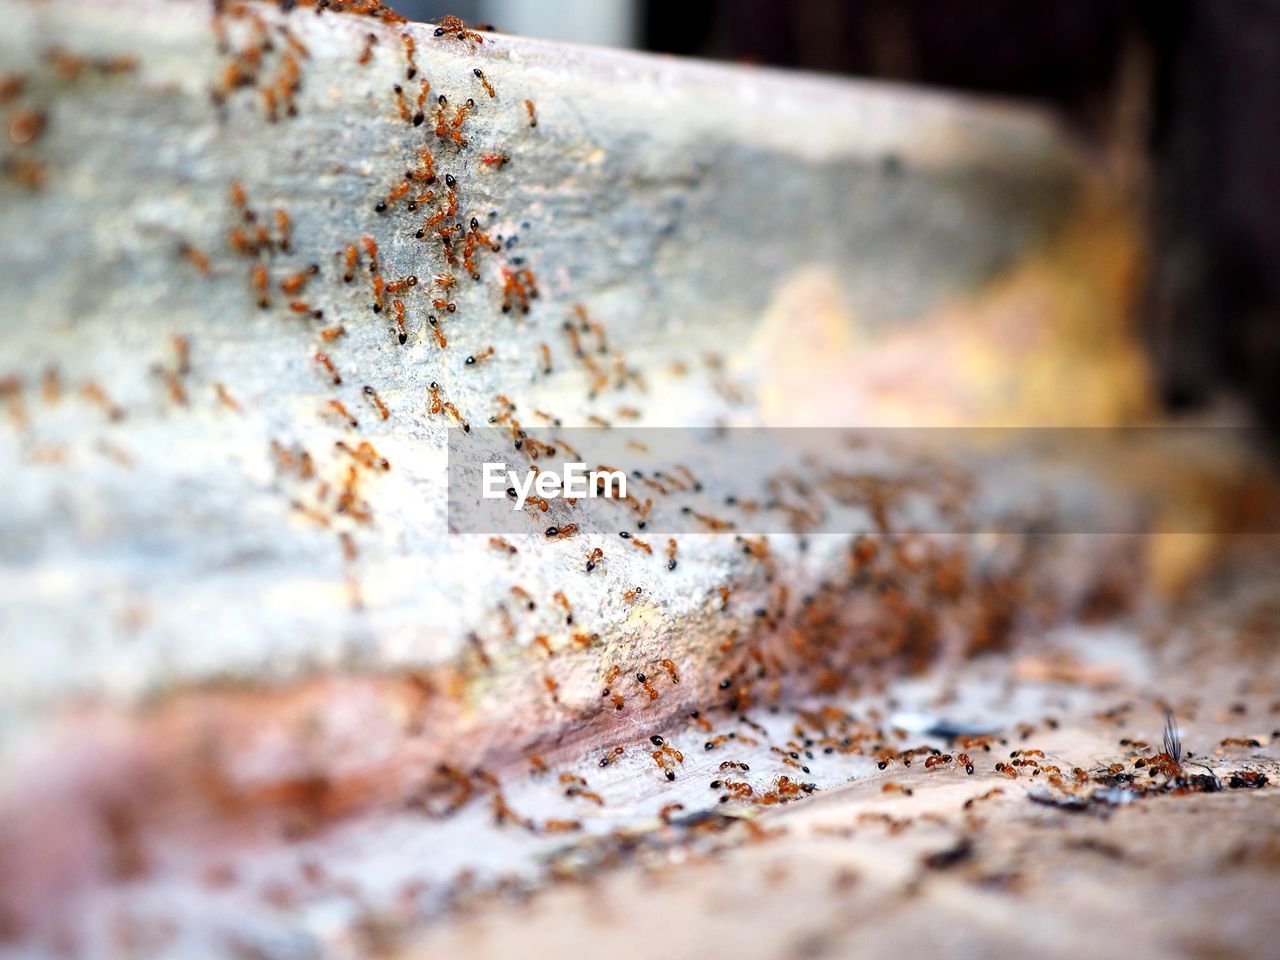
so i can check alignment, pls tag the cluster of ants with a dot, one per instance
(26, 123)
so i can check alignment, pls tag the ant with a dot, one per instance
(437, 332)
(293, 285)
(301, 306)
(480, 357)
(666, 757)
(563, 602)
(614, 672)
(397, 308)
(393, 195)
(352, 261)
(562, 533)
(324, 361)
(366, 54)
(484, 81)
(497, 160)
(336, 407)
(284, 226)
(498, 543)
(454, 27)
(594, 559)
(195, 258)
(365, 454)
(630, 596)
(532, 111)
(672, 546)
(329, 334)
(371, 251)
(258, 279)
(376, 400)
(409, 48)
(553, 688)
(440, 405)
(524, 595)
(225, 398)
(648, 686)
(672, 672)
(518, 288)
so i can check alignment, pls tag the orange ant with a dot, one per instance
(553, 688)
(594, 558)
(352, 260)
(409, 48)
(518, 288)
(284, 226)
(365, 454)
(324, 361)
(672, 546)
(630, 596)
(649, 688)
(672, 672)
(397, 308)
(195, 258)
(367, 53)
(301, 306)
(498, 543)
(437, 332)
(329, 334)
(545, 351)
(563, 602)
(611, 756)
(379, 293)
(440, 405)
(371, 251)
(480, 357)
(498, 160)
(293, 285)
(258, 279)
(182, 351)
(666, 756)
(225, 398)
(403, 284)
(560, 826)
(562, 533)
(532, 111)
(336, 407)
(454, 27)
(524, 595)
(393, 195)
(241, 243)
(612, 675)
(444, 305)
(376, 400)
(240, 199)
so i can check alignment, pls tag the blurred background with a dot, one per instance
(1187, 92)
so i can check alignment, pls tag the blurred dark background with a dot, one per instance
(1190, 87)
